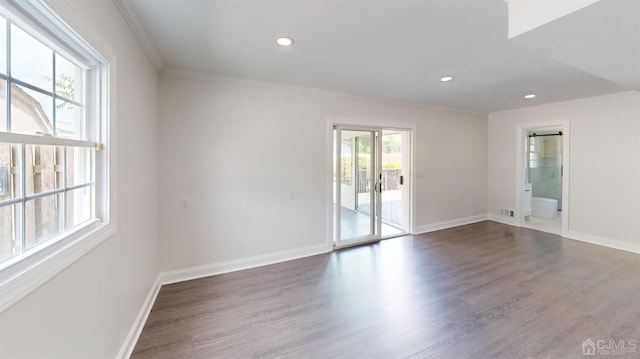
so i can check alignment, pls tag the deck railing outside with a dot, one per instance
(390, 180)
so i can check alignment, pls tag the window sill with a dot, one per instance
(19, 279)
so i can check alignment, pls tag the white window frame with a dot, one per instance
(22, 274)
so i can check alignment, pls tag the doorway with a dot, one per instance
(371, 192)
(544, 197)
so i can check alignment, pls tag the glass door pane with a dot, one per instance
(356, 185)
(394, 183)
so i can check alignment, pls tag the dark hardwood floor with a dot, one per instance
(484, 290)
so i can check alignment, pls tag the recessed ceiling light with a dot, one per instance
(284, 41)
(530, 96)
(446, 78)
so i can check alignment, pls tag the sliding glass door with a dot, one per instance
(357, 184)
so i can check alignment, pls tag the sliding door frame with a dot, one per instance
(331, 123)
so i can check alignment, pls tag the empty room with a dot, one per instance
(319, 179)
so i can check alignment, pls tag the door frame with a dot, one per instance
(411, 173)
(521, 141)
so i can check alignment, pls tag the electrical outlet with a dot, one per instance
(292, 195)
(185, 203)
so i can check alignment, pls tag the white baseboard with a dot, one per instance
(450, 223)
(136, 329)
(602, 241)
(181, 275)
(582, 237)
(502, 219)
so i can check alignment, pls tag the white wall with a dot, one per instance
(604, 188)
(235, 148)
(87, 310)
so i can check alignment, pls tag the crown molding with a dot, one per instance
(139, 32)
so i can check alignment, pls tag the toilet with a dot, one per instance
(542, 207)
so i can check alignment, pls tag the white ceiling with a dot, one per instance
(398, 49)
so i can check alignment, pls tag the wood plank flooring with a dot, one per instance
(484, 290)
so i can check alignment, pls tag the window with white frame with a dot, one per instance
(52, 117)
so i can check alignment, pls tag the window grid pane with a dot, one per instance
(70, 120)
(43, 169)
(10, 175)
(10, 243)
(31, 60)
(43, 219)
(69, 80)
(4, 119)
(3, 45)
(31, 112)
(78, 165)
(79, 206)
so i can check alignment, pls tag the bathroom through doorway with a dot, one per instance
(544, 167)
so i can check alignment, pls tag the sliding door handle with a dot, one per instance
(401, 180)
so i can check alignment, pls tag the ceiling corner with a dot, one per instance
(139, 32)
